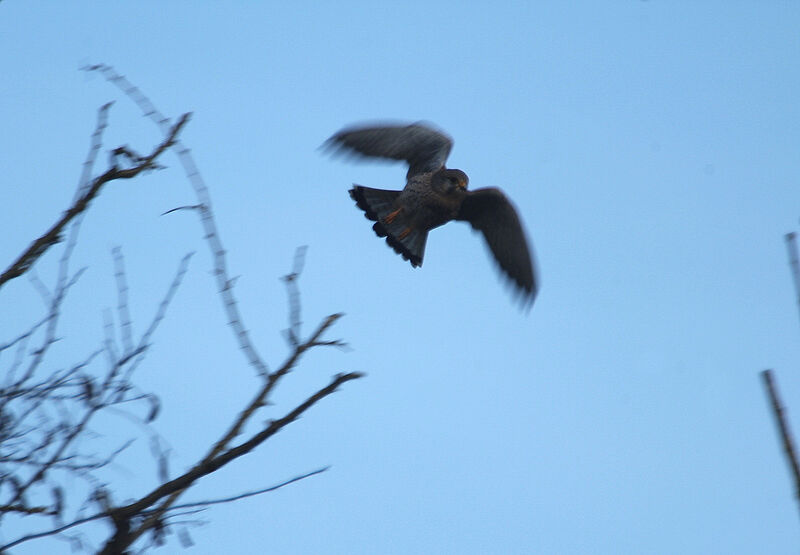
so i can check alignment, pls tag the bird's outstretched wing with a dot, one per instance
(490, 212)
(424, 148)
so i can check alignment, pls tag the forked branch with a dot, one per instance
(53, 235)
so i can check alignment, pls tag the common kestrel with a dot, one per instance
(433, 196)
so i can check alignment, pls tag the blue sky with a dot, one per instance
(652, 151)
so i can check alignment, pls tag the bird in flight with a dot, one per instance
(434, 195)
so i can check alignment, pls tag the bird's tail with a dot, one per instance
(379, 206)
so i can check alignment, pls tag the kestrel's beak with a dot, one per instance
(462, 184)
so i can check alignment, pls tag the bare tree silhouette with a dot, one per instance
(45, 413)
(777, 408)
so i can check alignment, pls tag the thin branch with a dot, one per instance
(179, 208)
(67, 440)
(94, 150)
(55, 381)
(261, 397)
(179, 484)
(144, 342)
(53, 235)
(219, 449)
(208, 466)
(293, 333)
(122, 300)
(24, 509)
(25, 335)
(75, 430)
(250, 493)
(52, 317)
(78, 467)
(53, 531)
(794, 264)
(110, 342)
(40, 287)
(104, 514)
(783, 428)
(183, 266)
(211, 234)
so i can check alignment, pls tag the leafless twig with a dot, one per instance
(76, 394)
(251, 493)
(293, 333)
(56, 442)
(53, 235)
(122, 300)
(794, 264)
(224, 282)
(783, 428)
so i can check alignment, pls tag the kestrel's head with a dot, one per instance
(451, 180)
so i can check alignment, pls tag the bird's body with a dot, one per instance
(428, 207)
(434, 195)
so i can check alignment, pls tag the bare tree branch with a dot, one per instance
(24, 335)
(144, 342)
(53, 235)
(293, 333)
(211, 464)
(45, 417)
(94, 149)
(31, 450)
(51, 320)
(225, 289)
(40, 287)
(122, 300)
(122, 515)
(202, 504)
(24, 509)
(794, 264)
(783, 428)
(224, 282)
(250, 493)
(110, 393)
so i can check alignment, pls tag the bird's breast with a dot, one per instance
(425, 207)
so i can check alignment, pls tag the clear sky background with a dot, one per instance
(652, 151)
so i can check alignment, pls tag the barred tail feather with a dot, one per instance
(379, 203)
(376, 203)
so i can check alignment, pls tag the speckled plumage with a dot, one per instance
(434, 195)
